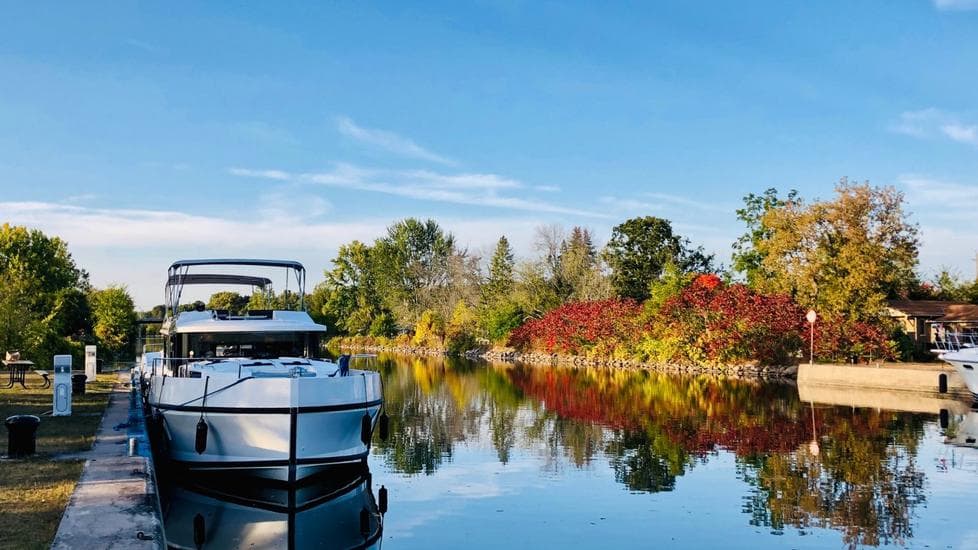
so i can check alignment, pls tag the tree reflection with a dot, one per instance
(862, 478)
(865, 480)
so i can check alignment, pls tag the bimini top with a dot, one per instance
(217, 279)
(179, 275)
(291, 264)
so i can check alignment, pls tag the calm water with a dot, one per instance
(489, 456)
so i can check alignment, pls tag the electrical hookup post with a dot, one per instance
(62, 385)
(91, 364)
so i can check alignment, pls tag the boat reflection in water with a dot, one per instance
(961, 436)
(336, 509)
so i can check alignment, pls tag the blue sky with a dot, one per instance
(142, 133)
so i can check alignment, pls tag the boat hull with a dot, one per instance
(965, 363)
(282, 429)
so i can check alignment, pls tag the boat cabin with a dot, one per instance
(216, 333)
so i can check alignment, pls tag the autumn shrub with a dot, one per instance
(711, 322)
(429, 331)
(594, 328)
(841, 340)
(460, 333)
(500, 319)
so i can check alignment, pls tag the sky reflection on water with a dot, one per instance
(490, 456)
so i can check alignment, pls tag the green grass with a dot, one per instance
(58, 434)
(35, 491)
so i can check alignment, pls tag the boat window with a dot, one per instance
(257, 345)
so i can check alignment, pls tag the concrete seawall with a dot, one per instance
(115, 504)
(894, 386)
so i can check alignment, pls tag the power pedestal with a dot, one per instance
(62, 385)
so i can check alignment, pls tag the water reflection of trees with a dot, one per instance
(863, 480)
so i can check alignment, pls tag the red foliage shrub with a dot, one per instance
(578, 328)
(723, 324)
(839, 340)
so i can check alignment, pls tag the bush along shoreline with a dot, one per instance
(508, 355)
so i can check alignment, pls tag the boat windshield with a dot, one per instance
(255, 345)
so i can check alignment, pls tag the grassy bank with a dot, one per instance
(35, 491)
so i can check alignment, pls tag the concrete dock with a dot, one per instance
(894, 386)
(115, 504)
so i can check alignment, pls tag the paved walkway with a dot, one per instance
(115, 500)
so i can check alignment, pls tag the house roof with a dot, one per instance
(959, 313)
(924, 308)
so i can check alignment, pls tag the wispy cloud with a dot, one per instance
(934, 123)
(547, 188)
(948, 226)
(661, 201)
(389, 141)
(956, 5)
(621, 204)
(468, 189)
(928, 191)
(677, 200)
(98, 237)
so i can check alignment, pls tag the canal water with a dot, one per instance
(508, 456)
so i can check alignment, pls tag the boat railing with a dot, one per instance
(172, 366)
(954, 341)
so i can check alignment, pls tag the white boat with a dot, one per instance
(960, 350)
(249, 392)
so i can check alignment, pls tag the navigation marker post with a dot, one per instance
(810, 316)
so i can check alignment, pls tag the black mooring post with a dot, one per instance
(942, 383)
(945, 417)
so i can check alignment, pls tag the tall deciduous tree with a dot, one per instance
(844, 256)
(115, 319)
(413, 265)
(350, 294)
(42, 294)
(639, 250)
(747, 256)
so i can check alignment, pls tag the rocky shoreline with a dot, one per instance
(553, 359)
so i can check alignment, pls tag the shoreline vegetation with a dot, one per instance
(648, 296)
(509, 355)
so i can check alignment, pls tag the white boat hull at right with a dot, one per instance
(965, 363)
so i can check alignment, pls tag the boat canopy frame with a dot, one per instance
(179, 275)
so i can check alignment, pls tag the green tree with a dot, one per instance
(351, 293)
(42, 295)
(580, 275)
(747, 256)
(949, 286)
(414, 267)
(235, 303)
(115, 320)
(844, 256)
(639, 250)
(501, 266)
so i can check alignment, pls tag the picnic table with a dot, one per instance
(18, 372)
